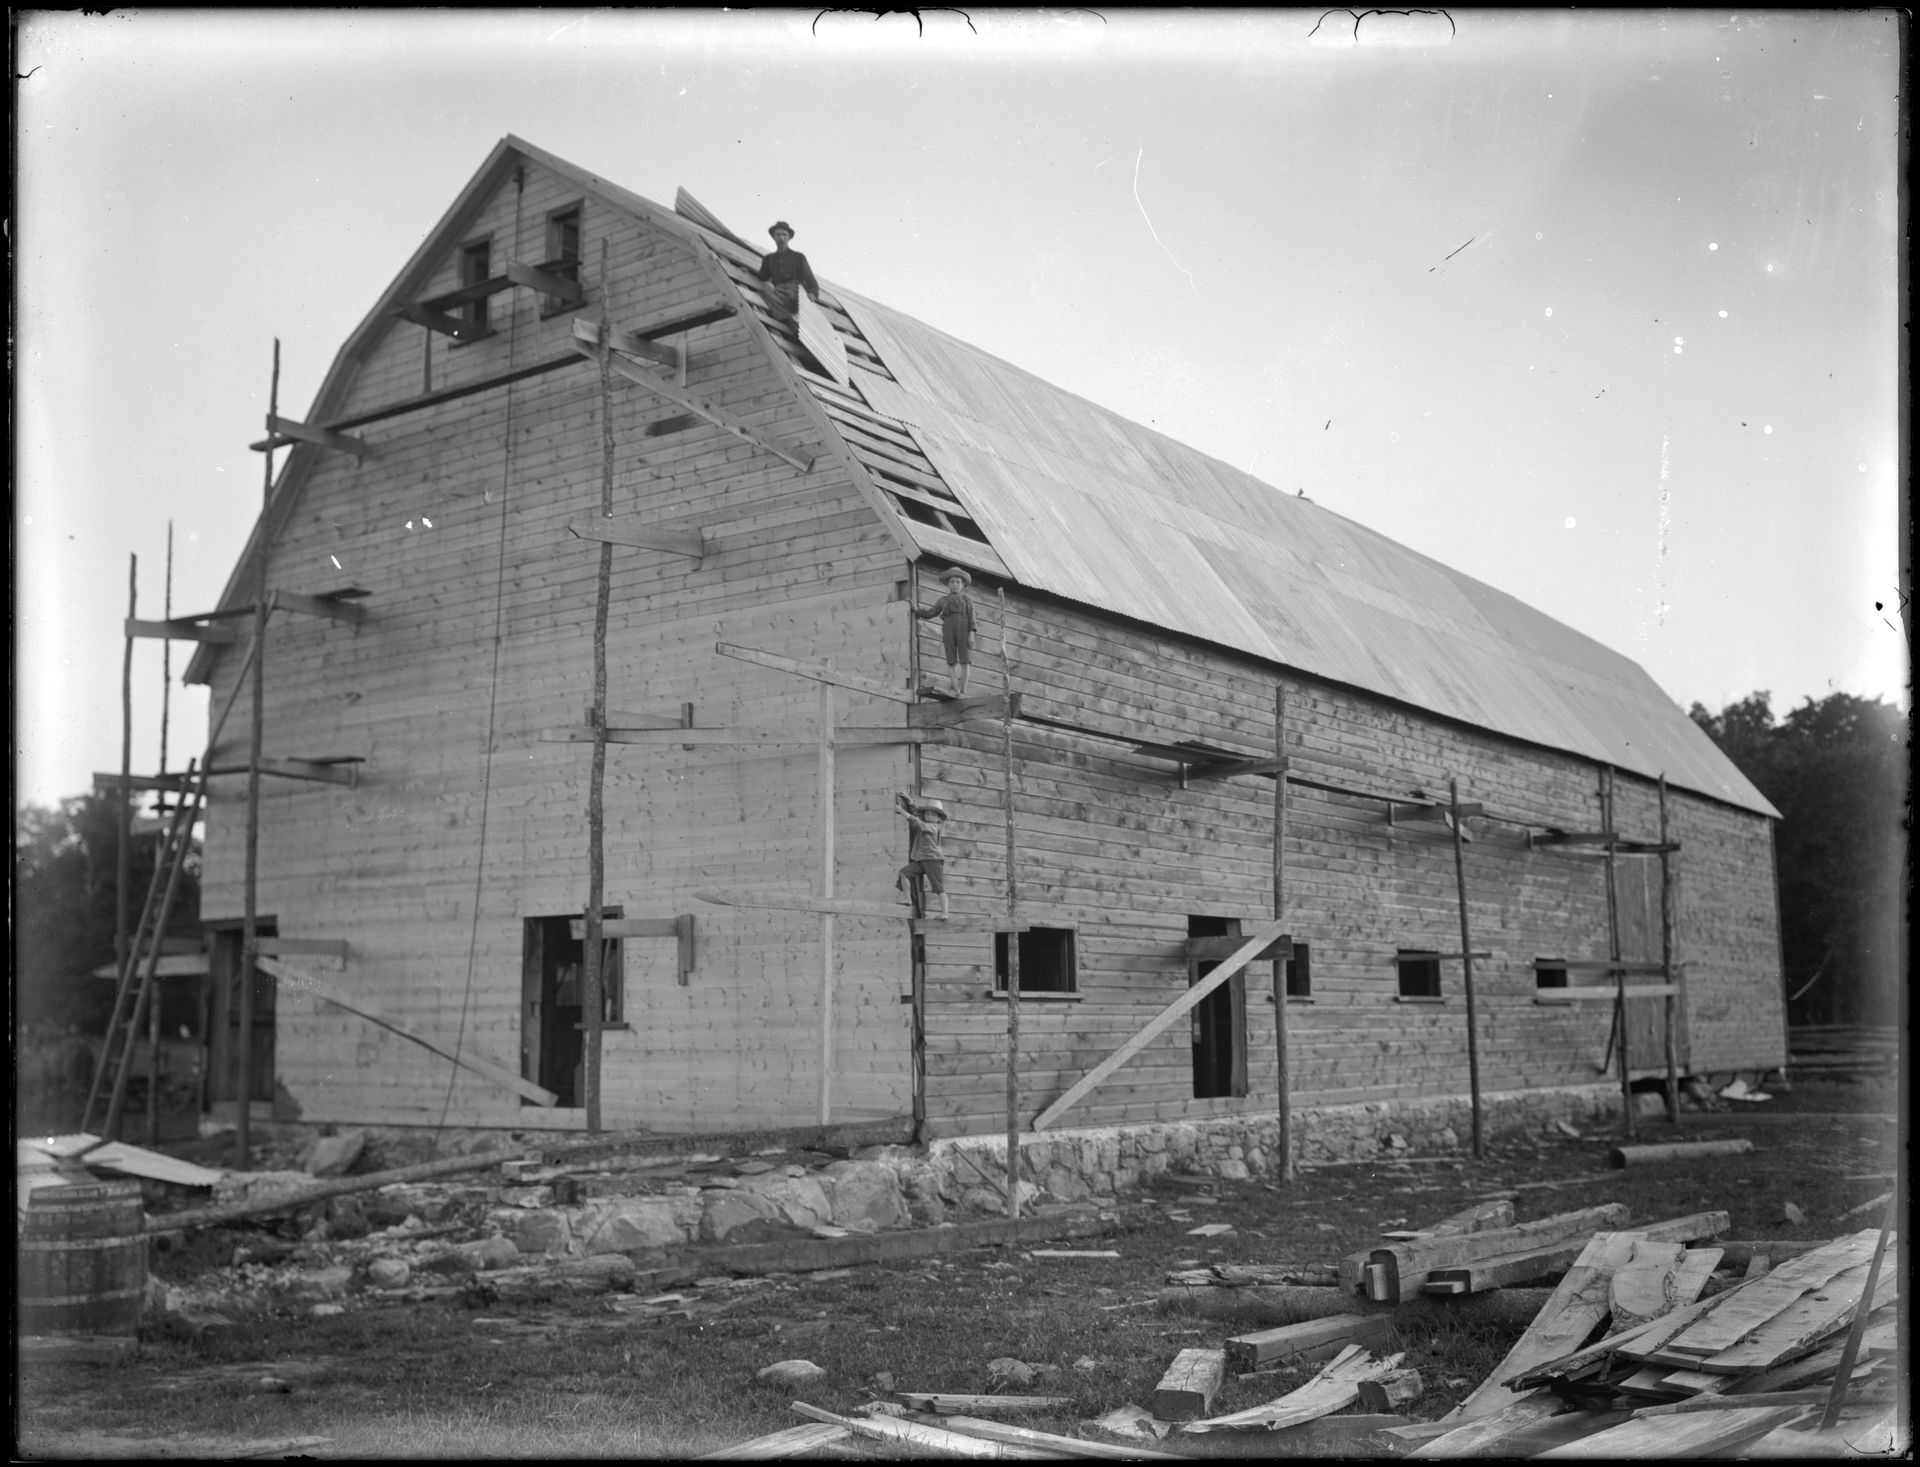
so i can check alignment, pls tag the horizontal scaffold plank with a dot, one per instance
(282, 431)
(1600, 994)
(785, 901)
(817, 671)
(631, 530)
(335, 606)
(664, 737)
(181, 630)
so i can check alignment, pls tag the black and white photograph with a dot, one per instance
(1038, 733)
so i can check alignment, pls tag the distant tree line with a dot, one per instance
(1837, 772)
(65, 876)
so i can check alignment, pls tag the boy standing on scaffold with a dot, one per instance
(955, 610)
(925, 867)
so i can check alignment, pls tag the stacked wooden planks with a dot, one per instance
(1700, 1378)
(1841, 1051)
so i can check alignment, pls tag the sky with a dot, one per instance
(1597, 307)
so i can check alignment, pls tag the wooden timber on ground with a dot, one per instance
(1271, 1306)
(1402, 1268)
(1521, 1267)
(1290, 1341)
(911, 1433)
(778, 1445)
(1648, 1155)
(947, 1403)
(1334, 1388)
(1050, 1444)
(1191, 1382)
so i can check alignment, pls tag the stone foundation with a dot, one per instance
(1074, 1164)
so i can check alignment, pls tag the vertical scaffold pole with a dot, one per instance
(1466, 956)
(1668, 969)
(250, 924)
(592, 999)
(123, 859)
(1284, 1143)
(1013, 930)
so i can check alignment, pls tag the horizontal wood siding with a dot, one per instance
(464, 823)
(1111, 845)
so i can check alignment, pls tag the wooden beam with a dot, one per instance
(288, 947)
(454, 394)
(586, 339)
(708, 737)
(281, 431)
(626, 927)
(466, 1057)
(1247, 951)
(438, 321)
(630, 530)
(800, 901)
(1628, 966)
(340, 773)
(1400, 811)
(1228, 768)
(330, 607)
(952, 711)
(671, 357)
(181, 630)
(171, 783)
(1600, 995)
(466, 295)
(532, 277)
(818, 671)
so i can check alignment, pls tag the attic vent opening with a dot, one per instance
(562, 258)
(964, 526)
(923, 514)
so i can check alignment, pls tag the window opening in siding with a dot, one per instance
(913, 509)
(476, 265)
(1550, 973)
(1046, 962)
(964, 526)
(1300, 972)
(1419, 972)
(553, 975)
(563, 252)
(1219, 1021)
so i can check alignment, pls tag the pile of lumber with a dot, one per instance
(1842, 1051)
(1674, 1374)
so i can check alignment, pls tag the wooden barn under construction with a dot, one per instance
(1250, 745)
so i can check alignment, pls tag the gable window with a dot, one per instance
(562, 256)
(476, 265)
(1046, 962)
(1419, 972)
(1549, 972)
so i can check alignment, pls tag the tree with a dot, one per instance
(1837, 772)
(64, 872)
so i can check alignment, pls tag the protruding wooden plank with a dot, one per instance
(1257, 942)
(532, 277)
(611, 927)
(322, 772)
(1335, 1387)
(291, 947)
(331, 607)
(1399, 813)
(1408, 1264)
(797, 901)
(458, 327)
(170, 783)
(1214, 949)
(1191, 1382)
(181, 630)
(466, 1056)
(281, 431)
(586, 337)
(822, 342)
(818, 671)
(778, 1445)
(1598, 995)
(631, 531)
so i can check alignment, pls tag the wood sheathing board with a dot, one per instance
(456, 526)
(1084, 504)
(1110, 845)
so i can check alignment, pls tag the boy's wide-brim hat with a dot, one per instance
(932, 807)
(948, 575)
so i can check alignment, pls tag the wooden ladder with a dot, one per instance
(137, 975)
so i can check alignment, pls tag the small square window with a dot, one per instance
(1046, 961)
(1419, 972)
(1549, 972)
(1300, 972)
(476, 265)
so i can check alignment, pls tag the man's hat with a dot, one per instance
(778, 225)
(947, 575)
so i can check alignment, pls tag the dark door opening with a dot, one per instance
(223, 1015)
(552, 1037)
(1219, 1020)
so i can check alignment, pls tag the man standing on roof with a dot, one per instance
(785, 271)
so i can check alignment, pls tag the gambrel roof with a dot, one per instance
(989, 466)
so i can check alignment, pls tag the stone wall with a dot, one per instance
(1102, 1161)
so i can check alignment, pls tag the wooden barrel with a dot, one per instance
(82, 1260)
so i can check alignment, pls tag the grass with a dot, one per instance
(567, 1375)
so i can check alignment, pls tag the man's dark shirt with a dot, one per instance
(788, 267)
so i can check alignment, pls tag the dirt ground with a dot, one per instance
(563, 1372)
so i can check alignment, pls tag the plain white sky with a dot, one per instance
(1598, 307)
